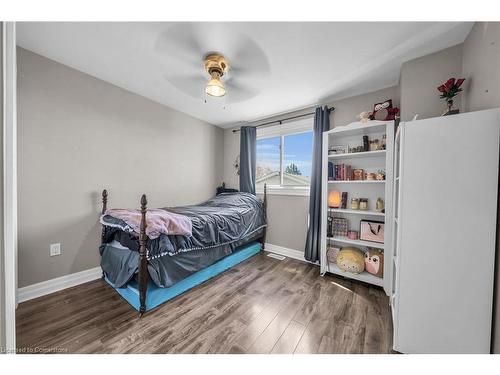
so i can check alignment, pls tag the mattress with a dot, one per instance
(120, 263)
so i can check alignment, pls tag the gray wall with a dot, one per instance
(419, 81)
(78, 135)
(481, 66)
(287, 215)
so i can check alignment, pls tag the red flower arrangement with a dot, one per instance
(450, 88)
(392, 113)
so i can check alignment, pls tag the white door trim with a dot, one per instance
(10, 180)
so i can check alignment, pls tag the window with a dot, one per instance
(268, 162)
(297, 159)
(284, 158)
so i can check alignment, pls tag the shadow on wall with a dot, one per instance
(92, 237)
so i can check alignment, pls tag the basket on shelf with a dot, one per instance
(331, 253)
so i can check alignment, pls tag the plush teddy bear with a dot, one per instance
(364, 116)
(384, 111)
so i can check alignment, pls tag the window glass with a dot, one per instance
(268, 162)
(297, 159)
(295, 166)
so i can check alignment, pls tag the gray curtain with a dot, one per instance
(248, 151)
(313, 241)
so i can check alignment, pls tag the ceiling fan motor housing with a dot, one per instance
(215, 63)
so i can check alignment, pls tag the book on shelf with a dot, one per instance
(342, 172)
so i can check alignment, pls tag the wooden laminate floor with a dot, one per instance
(262, 305)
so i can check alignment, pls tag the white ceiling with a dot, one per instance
(279, 67)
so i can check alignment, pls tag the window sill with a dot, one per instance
(276, 190)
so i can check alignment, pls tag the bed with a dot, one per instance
(148, 270)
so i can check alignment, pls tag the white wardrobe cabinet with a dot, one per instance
(444, 233)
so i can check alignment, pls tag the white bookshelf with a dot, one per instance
(371, 161)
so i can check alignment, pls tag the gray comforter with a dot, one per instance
(220, 225)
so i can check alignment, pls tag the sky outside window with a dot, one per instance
(298, 156)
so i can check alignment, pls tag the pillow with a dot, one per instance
(223, 189)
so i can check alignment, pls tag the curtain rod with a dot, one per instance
(285, 119)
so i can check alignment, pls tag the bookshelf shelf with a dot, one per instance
(356, 212)
(346, 240)
(363, 276)
(355, 155)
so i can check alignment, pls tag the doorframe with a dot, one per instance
(10, 180)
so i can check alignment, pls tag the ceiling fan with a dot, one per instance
(188, 54)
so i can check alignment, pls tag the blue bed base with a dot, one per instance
(155, 295)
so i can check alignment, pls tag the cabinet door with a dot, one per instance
(448, 228)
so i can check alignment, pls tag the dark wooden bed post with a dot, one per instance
(104, 205)
(263, 240)
(143, 261)
(103, 211)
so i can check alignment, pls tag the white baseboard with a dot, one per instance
(290, 253)
(50, 286)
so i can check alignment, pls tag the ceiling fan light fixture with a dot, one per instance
(216, 66)
(214, 86)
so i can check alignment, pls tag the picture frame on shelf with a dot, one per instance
(339, 226)
(358, 174)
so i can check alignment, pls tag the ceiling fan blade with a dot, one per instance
(181, 44)
(248, 59)
(239, 92)
(192, 85)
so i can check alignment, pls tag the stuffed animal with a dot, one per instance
(374, 262)
(351, 259)
(384, 111)
(364, 116)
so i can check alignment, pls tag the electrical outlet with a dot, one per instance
(55, 249)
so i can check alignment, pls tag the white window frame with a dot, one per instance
(282, 130)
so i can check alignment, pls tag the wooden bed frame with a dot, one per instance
(143, 276)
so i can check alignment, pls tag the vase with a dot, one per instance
(450, 111)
